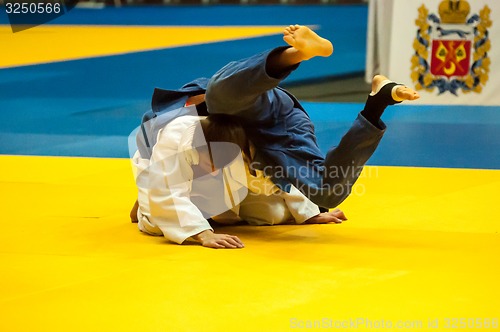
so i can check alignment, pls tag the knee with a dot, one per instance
(265, 215)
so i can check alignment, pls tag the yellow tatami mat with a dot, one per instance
(420, 252)
(70, 42)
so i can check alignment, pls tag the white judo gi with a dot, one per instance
(166, 181)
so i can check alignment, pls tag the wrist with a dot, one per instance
(313, 219)
(202, 235)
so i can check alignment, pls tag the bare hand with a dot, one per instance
(210, 239)
(336, 217)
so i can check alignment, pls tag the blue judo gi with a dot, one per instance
(277, 125)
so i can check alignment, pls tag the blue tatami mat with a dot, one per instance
(345, 26)
(428, 136)
(425, 136)
(88, 107)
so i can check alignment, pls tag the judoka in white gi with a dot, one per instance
(227, 164)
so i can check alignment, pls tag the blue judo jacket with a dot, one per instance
(283, 148)
(277, 125)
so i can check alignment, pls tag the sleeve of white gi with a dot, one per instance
(299, 205)
(170, 178)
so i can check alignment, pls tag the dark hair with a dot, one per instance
(225, 128)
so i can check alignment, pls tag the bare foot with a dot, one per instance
(133, 212)
(399, 92)
(307, 42)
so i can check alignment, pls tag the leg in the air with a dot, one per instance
(304, 45)
(344, 163)
(240, 88)
(384, 93)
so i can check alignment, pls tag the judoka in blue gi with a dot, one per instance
(277, 173)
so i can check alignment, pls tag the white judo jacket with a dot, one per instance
(166, 181)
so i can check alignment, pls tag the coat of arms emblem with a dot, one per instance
(451, 50)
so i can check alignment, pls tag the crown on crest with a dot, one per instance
(454, 11)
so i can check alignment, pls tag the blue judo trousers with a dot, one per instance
(277, 125)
